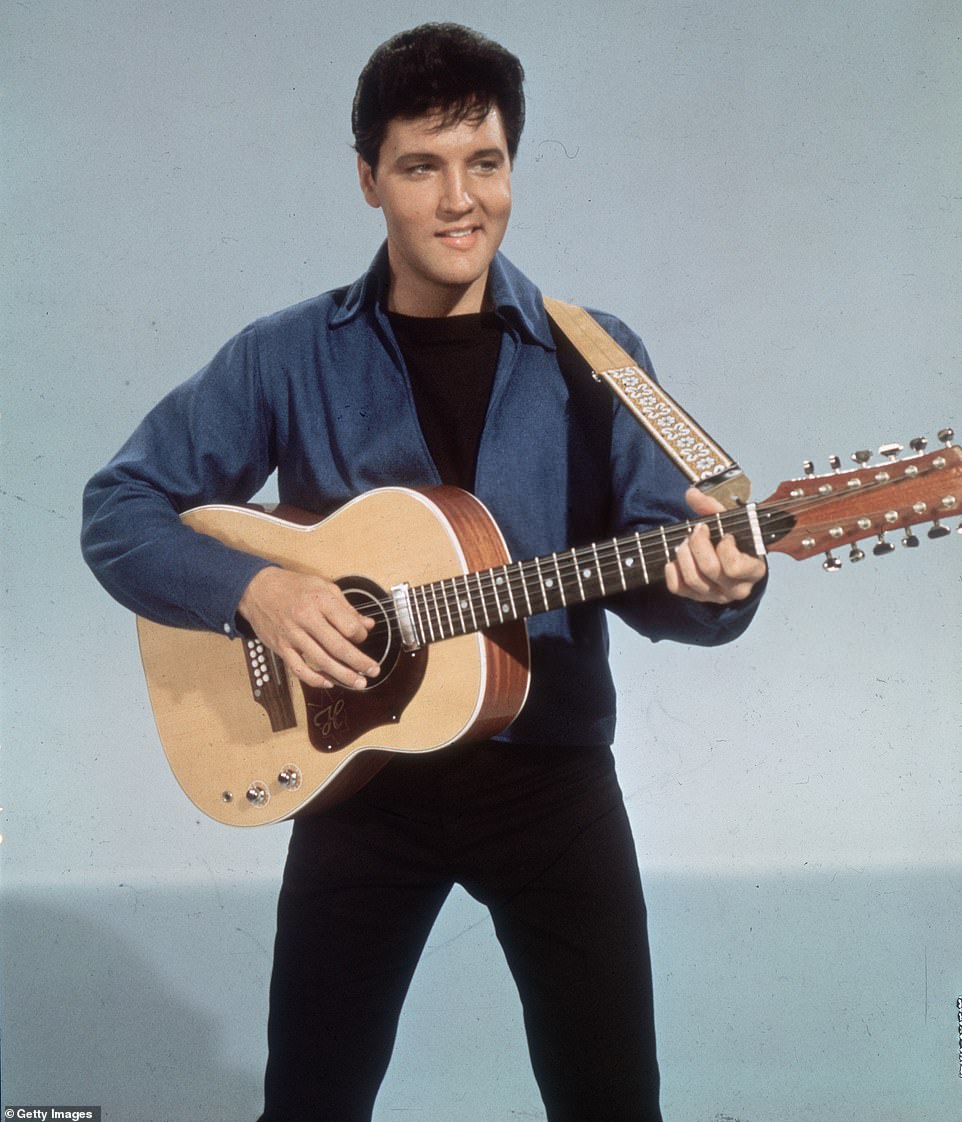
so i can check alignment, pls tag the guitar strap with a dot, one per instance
(701, 459)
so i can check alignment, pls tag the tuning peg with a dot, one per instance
(856, 554)
(882, 546)
(937, 530)
(831, 564)
(862, 457)
(946, 435)
(890, 451)
(918, 444)
(835, 463)
(808, 467)
(910, 541)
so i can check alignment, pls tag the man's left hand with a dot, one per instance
(709, 573)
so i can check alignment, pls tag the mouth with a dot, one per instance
(462, 236)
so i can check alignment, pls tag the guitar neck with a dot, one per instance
(476, 601)
(802, 517)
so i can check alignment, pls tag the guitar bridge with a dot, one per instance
(268, 682)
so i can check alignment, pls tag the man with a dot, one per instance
(438, 365)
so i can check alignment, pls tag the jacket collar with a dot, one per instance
(516, 299)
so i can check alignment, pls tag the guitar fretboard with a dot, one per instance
(476, 601)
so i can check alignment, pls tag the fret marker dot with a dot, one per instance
(549, 583)
(586, 573)
(629, 561)
(499, 580)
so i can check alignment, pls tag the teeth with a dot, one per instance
(457, 233)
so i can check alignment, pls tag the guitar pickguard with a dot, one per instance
(337, 717)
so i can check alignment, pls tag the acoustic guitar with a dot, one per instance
(251, 745)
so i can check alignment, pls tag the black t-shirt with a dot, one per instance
(451, 362)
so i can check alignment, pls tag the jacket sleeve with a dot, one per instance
(648, 491)
(209, 440)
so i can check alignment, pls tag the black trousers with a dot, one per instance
(539, 835)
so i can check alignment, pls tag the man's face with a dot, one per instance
(446, 198)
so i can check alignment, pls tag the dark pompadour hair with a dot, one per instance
(437, 68)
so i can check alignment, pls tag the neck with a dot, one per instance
(436, 301)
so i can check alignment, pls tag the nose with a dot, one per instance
(456, 196)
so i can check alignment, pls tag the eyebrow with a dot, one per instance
(480, 154)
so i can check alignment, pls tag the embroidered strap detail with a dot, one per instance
(701, 459)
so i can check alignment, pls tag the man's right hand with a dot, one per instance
(309, 622)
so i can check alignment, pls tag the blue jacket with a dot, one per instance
(319, 392)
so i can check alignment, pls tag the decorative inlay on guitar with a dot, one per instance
(251, 745)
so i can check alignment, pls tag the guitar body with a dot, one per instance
(251, 745)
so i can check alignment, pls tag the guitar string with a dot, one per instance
(492, 604)
(655, 547)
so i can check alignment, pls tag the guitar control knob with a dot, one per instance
(290, 778)
(258, 794)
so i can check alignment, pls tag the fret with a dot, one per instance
(422, 630)
(544, 591)
(524, 589)
(561, 583)
(497, 598)
(601, 577)
(504, 582)
(447, 608)
(431, 606)
(469, 600)
(458, 605)
(641, 556)
(664, 544)
(484, 606)
(581, 587)
(431, 616)
(616, 545)
(644, 560)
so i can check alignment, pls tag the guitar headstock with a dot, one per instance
(817, 513)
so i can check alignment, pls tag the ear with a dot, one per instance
(368, 183)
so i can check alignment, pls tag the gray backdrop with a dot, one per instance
(770, 193)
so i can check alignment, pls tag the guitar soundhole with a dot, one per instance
(383, 643)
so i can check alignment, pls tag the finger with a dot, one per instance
(737, 566)
(331, 654)
(701, 503)
(685, 578)
(703, 556)
(326, 676)
(327, 604)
